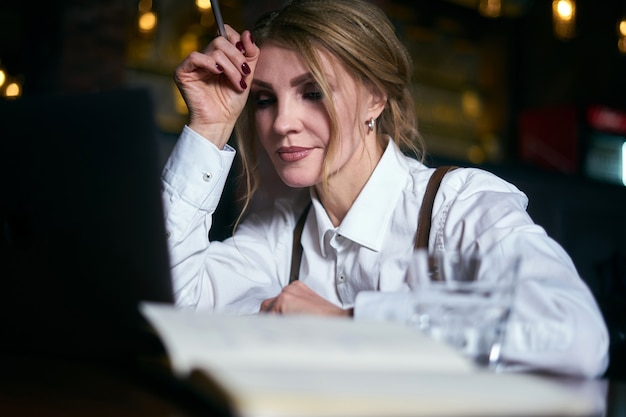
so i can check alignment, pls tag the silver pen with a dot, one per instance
(218, 18)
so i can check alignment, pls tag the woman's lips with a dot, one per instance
(293, 153)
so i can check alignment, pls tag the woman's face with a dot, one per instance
(292, 123)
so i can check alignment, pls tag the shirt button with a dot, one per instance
(207, 176)
(341, 278)
(167, 235)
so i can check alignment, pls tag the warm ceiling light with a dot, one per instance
(622, 27)
(12, 90)
(565, 9)
(147, 22)
(203, 4)
(3, 77)
(564, 18)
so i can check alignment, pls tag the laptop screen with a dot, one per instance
(83, 239)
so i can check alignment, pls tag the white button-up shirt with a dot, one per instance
(363, 262)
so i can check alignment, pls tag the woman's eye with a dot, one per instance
(313, 92)
(313, 95)
(263, 100)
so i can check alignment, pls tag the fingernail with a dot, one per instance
(219, 67)
(239, 46)
(245, 68)
(243, 84)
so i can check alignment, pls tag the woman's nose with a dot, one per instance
(287, 119)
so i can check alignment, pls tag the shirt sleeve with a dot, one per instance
(556, 324)
(193, 179)
(233, 276)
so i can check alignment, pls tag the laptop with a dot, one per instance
(82, 233)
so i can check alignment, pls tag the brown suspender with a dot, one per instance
(423, 226)
(426, 214)
(296, 251)
(426, 211)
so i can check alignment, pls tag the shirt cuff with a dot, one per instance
(197, 169)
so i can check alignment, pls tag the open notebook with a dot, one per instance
(83, 238)
(305, 366)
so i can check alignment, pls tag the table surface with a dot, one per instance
(39, 386)
(45, 386)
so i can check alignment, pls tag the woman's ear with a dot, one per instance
(377, 104)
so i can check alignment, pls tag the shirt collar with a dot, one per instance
(367, 220)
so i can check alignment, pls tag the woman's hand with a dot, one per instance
(297, 298)
(215, 84)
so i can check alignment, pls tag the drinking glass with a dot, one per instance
(464, 301)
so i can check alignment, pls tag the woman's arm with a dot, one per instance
(556, 323)
(193, 181)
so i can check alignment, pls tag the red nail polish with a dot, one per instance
(243, 84)
(245, 68)
(219, 67)
(239, 46)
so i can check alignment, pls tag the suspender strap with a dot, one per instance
(426, 211)
(296, 251)
(426, 214)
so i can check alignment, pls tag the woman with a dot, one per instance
(324, 87)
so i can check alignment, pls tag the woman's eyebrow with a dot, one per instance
(262, 84)
(300, 79)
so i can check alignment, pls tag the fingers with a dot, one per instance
(244, 43)
(267, 305)
(196, 63)
(297, 297)
(234, 56)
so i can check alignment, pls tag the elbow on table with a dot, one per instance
(549, 347)
(593, 358)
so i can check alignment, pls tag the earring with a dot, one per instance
(371, 124)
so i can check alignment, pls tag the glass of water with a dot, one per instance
(464, 301)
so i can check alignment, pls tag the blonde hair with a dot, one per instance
(360, 37)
